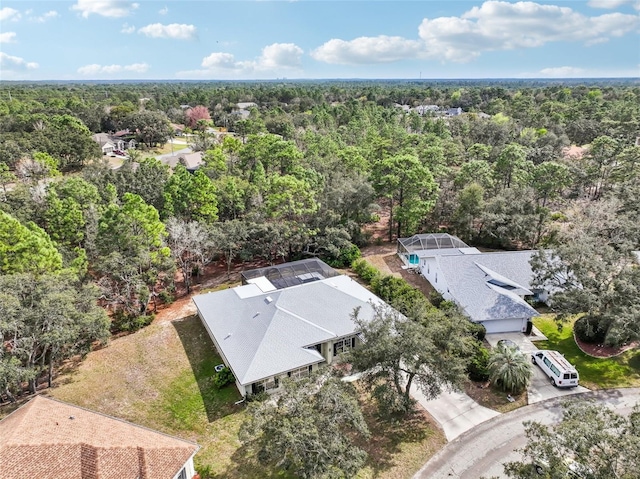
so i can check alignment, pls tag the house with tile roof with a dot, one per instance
(490, 288)
(284, 323)
(51, 439)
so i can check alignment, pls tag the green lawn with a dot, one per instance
(160, 377)
(620, 371)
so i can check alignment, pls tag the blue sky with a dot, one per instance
(218, 40)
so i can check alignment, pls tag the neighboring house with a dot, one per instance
(246, 105)
(50, 439)
(454, 111)
(117, 141)
(104, 140)
(285, 321)
(191, 161)
(490, 288)
(426, 109)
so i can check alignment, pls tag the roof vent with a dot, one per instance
(227, 336)
(268, 300)
(72, 417)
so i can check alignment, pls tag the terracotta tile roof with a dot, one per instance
(47, 438)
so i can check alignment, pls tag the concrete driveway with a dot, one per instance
(454, 411)
(540, 388)
(481, 451)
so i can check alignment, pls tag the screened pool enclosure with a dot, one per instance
(411, 249)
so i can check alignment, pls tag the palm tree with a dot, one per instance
(509, 368)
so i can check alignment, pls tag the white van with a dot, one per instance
(559, 370)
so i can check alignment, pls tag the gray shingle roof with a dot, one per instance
(473, 281)
(265, 334)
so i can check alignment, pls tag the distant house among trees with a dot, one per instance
(119, 141)
(284, 321)
(50, 439)
(191, 161)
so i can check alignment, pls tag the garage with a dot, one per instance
(505, 325)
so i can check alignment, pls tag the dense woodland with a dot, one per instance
(308, 173)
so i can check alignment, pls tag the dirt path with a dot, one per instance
(214, 278)
(383, 256)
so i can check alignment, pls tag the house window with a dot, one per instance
(183, 474)
(300, 372)
(344, 345)
(266, 385)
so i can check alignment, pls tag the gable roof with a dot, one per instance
(192, 160)
(487, 285)
(262, 334)
(47, 438)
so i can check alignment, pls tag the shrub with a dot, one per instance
(435, 298)
(590, 330)
(166, 297)
(365, 270)
(345, 257)
(478, 331)
(122, 322)
(478, 367)
(223, 377)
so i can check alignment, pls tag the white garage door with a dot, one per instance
(505, 325)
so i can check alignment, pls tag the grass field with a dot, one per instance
(160, 377)
(619, 371)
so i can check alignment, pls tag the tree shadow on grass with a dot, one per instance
(390, 435)
(203, 359)
(244, 464)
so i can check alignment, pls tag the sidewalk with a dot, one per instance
(454, 411)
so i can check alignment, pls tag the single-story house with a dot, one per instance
(490, 288)
(426, 109)
(191, 161)
(117, 141)
(285, 321)
(51, 439)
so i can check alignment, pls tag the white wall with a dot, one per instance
(431, 271)
(189, 470)
(518, 325)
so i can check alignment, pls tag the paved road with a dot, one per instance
(482, 450)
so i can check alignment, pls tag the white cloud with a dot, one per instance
(274, 58)
(562, 72)
(11, 63)
(611, 4)
(176, 31)
(163, 11)
(499, 25)
(219, 60)
(96, 69)
(7, 13)
(280, 55)
(367, 50)
(494, 25)
(44, 17)
(105, 8)
(126, 28)
(7, 37)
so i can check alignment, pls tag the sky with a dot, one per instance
(261, 40)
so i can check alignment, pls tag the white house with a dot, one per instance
(287, 321)
(490, 288)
